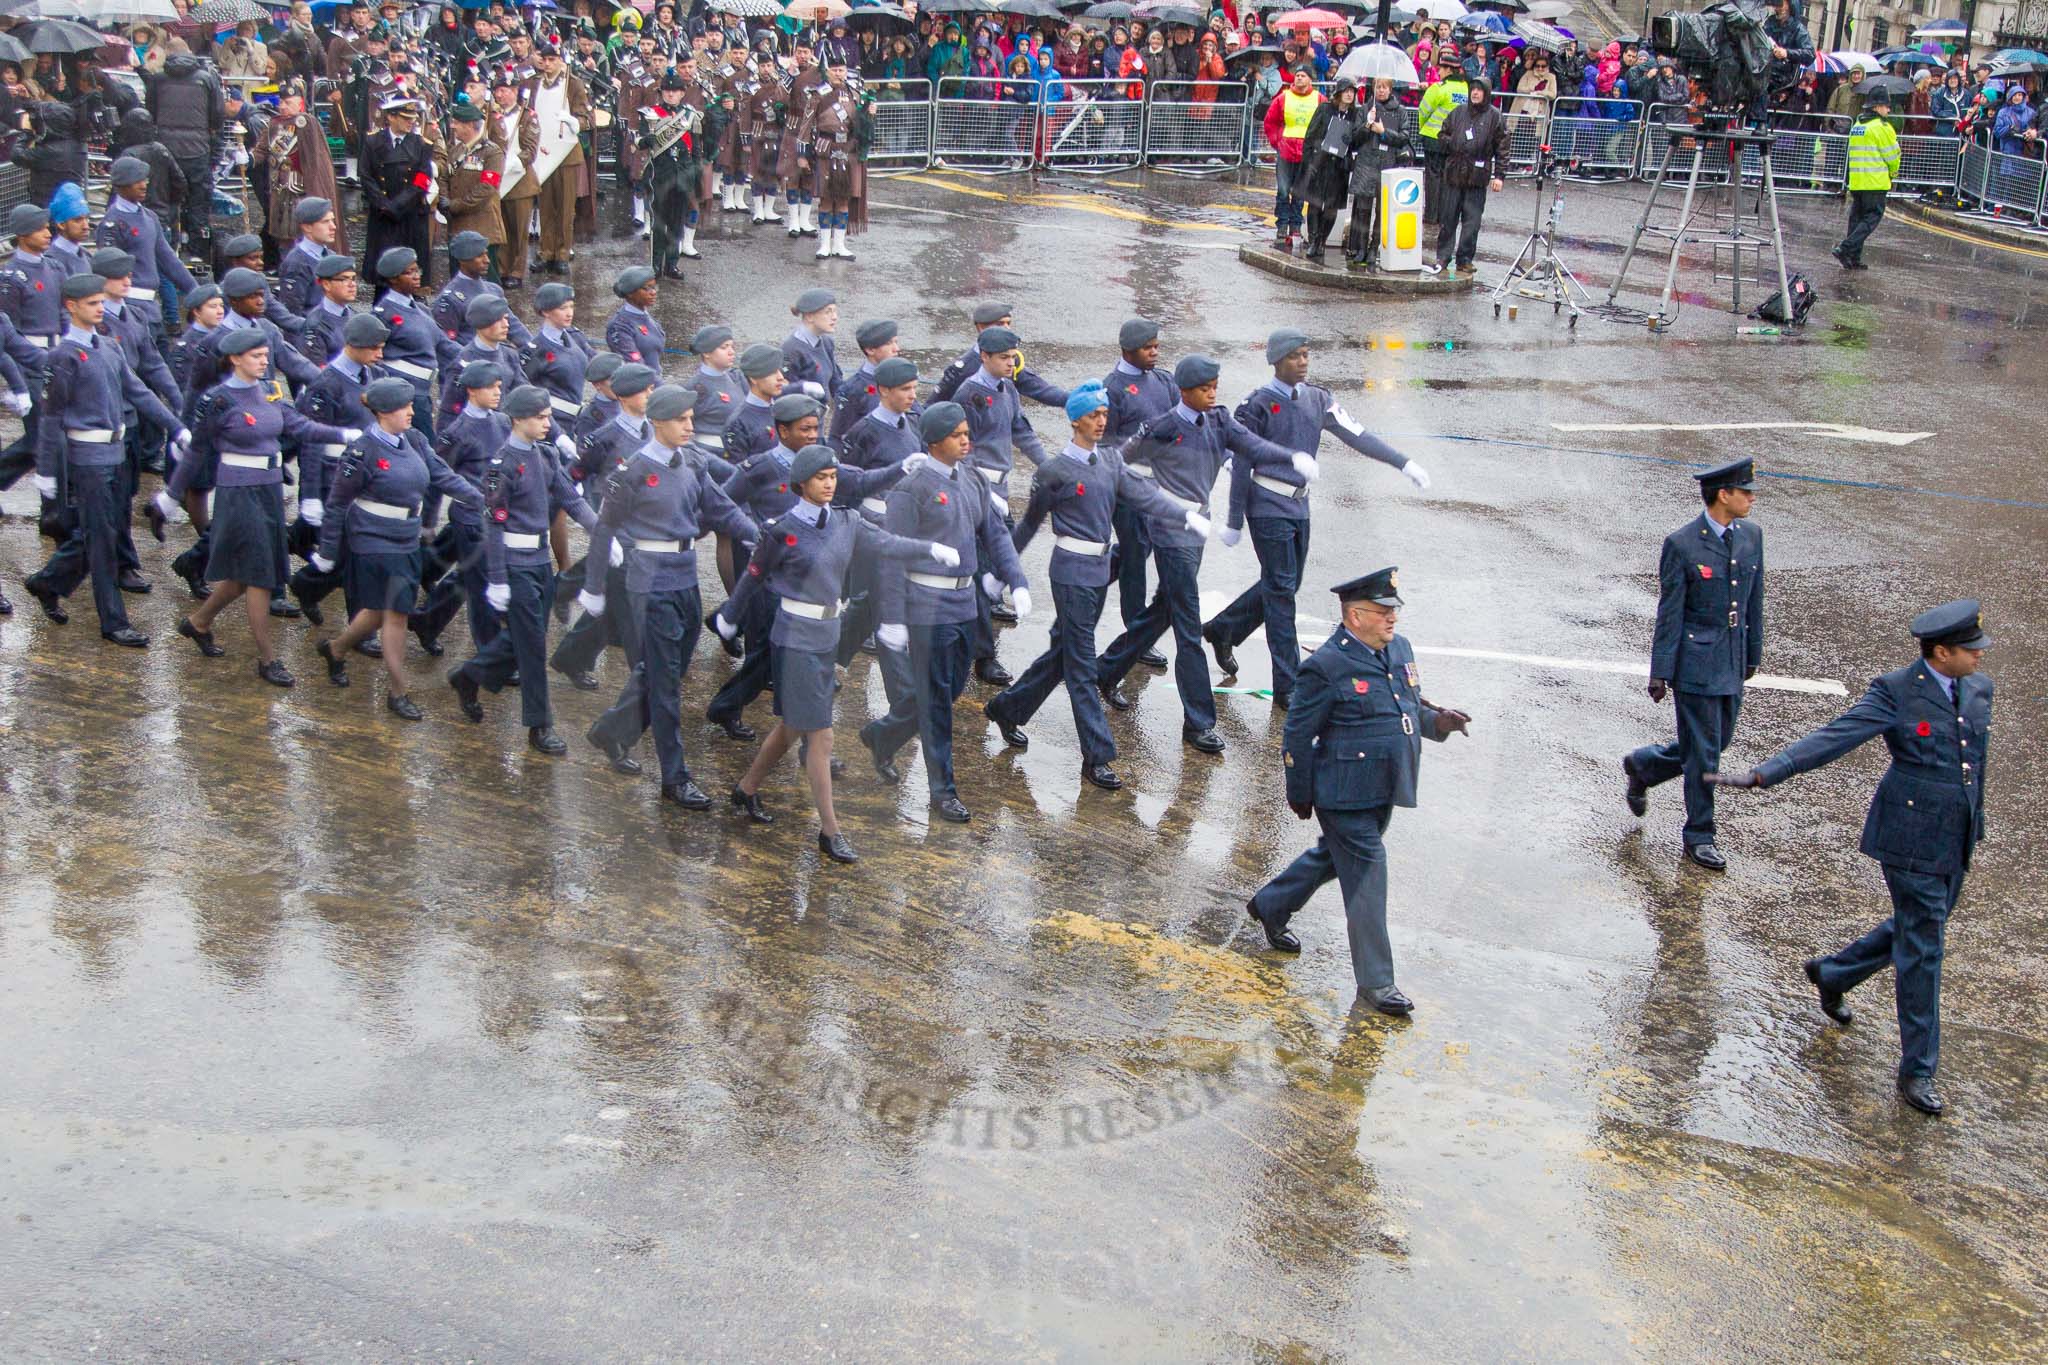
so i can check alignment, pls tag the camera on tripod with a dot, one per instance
(1724, 47)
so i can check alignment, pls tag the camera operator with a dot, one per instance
(186, 103)
(53, 152)
(1791, 47)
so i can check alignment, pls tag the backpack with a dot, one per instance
(1772, 309)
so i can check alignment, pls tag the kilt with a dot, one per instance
(785, 162)
(384, 582)
(246, 538)
(803, 687)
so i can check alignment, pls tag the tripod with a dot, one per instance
(1536, 272)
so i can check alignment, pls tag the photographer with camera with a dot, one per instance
(53, 153)
(1791, 45)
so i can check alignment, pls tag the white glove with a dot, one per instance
(946, 555)
(566, 446)
(311, 510)
(893, 637)
(915, 461)
(47, 486)
(320, 562)
(20, 402)
(499, 595)
(1020, 598)
(618, 554)
(590, 602)
(993, 586)
(1305, 465)
(182, 442)
(1417, 475)
(350, 435)
(726, 627)
(813, 389)
(172, 512)
(1198, 523)
(1230, 535)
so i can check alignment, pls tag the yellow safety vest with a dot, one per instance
(1437, 103)
(1296, 111)
(1873, 154)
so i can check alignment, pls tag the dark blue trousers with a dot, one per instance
(522, 646)
(588, 635)
(1353, 840)
(93, 545)
(941, 658)
(1910, 943)
(1706, 726)
(1287, 893)
(1127, 559)
(1177, 604)
(664, 636)
(856, 624)
(751, 679)
(1070, 657)
(984, 624)
(459, 552)
(124, 513)
(1281, 544)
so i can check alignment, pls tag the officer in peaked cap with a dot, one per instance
(1708, 642)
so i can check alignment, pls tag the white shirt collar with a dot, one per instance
(77, 334)
(1081, 453)
(809, 515)
(894, 421)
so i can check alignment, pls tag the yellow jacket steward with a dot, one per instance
(1873, 154)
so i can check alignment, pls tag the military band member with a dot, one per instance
(790, 172)
(514, 127)
(469, 189)
(833, 140)
(1708, 643)
(298, 270)
(1926, 819)
(634, 333)
(557, 99)
(766, 114)
(674, 176)
(397, 172)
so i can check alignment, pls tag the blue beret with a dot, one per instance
(794, 407)
(553, 295)
(603, 366)
(631, 278)
(486, 309)
(880, 332)
(670, 402)
(480, 374)
(68, 203)
(82, 287)
(365, 330)
(242, 339)
(1194, 371)
(630, 379)
(467, 245)
(940, 420)
(27, 218)
(812, 301)
(312, 209)
(241, 282)
(528, 400)
(128, 170)
(1283, 343)
(388, 394)
(1137, 333)
(204, 294)
(709, 339)
(396, 262)
(893, 371)
(996, 340)
(112, 263)
(760, 360)
(989, 314)
(241, 244)
(811, 460)
(1084, 399)
(334, 267)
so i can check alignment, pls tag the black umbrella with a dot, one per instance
(1108, 9)
(1886, 85)
(1174, 14)
(11, 50)
(62, 36)
(1030, 9)
(1247, 54)
(960, 7)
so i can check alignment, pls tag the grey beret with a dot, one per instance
(996, 340)
(27, 218)
(1284, 343)
(603, 366)
(811, 300)
(467, 245)
(242, 339)
(528, 400)
(794, 407)
(880, 332)
(83, 287)
(760, 360)
(311, 210)
(631, 278)
(481, 374)
(810, 460)
(396, 262)
(1137, 333)
(128, 170)
(365, 330)
(1195, 371)
(709, 339)
(388, 394)
(552, 295)
(893, 371)
(631, 379)
(204, 294)
(241, 282)
(670, 402)
(242, 244)
(486, 309)
(940, 420)
(989, 314)
(334, 267)
(112, 263)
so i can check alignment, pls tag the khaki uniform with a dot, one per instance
(469, 189)
(520, 128)
(558, 191)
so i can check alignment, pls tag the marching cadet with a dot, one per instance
(807, 355)
(373, 512)
(1139, 395)
(470, 256)
(298, 271)
(71, 227)
(237, 438)
(750, 429)
(78, 450)
(599, 408)
(523, 490)
(131, 328)
(633, 333)
(659, 505)
(832, 142)
(489, 319)
(1926, 819)
(328, 318)
(204, 311)
(516, 128)
(1079, 488)
(602, 453)
(335, 398)
(999, 429)
(1708, 643)
(396, 170)
(559, 353)
(417, 347)
(720, 386)
(1186, 450)
(129, 223)
(469, 192)
(856, 394)
(1030, 384)
(31, 294)
(802, 563)
(674, 176)
(247, 298)
(245, 250)
(1290, 412)
(931, 616)
(887, 435)
(452, 568)
(1351, 749)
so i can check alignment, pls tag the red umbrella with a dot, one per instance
(1309, 19)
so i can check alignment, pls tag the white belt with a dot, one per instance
(41, 343)
(522, 540)
(97, 438)
(943, 584)
(382, 509)
(563, 405)
(136, 291)
(1182, 503)
(407, 367)
(876, 505)
(992, 475)
(1078, 546)
(659, 547)
(812, 611)
(245, 461)
(1143, 471)
(1281, 486)
(335, 451)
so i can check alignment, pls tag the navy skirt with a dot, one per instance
(246, 538)
(384, 582)
(803, 687)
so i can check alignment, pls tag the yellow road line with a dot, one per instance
(1955, 236)
(1080, 203)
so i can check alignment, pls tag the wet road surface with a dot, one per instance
(332, 1037)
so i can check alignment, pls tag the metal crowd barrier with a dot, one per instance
(902, 112)
(982, 135)
(1092, 127)
(1527, 130)
(1928, 163)
(1586, 135)
(1191, 136)
(1802, 163)
(1973, 171)
(2013, 186)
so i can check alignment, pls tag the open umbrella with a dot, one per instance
(1540, 36)
(818, 11)
(1378, 61)
(1030, 9)
(1170, 14)
(2018, 68)
(1894, 86)
(860, 12)
(2018, 54)
(230, 12)
(11, 50)
(1307, 19)
(1249, 54)
(1827, 64)
(1109, 9)
(748, 9)
(1858, 59)
(959, 7)
(1549, 9)
(1942, 28)
(1911, 59)
(1485, 24)
(1504, 6)
(61, 35)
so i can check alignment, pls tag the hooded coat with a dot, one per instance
(55, 157)
(138, 139)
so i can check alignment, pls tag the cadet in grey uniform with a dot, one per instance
(453, 570)
(634, 333)
(490, 341)
(1291, 412)
(1709, 642)
(750, 426)
(131, 327)
(720, 386)
(298, 270)
(1030, 384)
(1925, 821)
(559, 353)
(129, 223)
(31, 293)
(1140, 393)
(417, 347)
(1351, 748)
(523, 489)
(801, 564)
(335, 280)
(335, 398)
(887, 435)
(808, 359)
(858, 392)
(999, 429)
(470, 255)
(605, 452)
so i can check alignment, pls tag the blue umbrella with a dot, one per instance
(1911, 59)
(1484, 21)
(1942, 28)
(2018, 54)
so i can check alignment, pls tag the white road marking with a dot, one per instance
(583, 972)
(579, 1140)
(1834, 430)
(593, 1018)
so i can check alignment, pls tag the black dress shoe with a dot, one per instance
(1012, 736)
(1388, 1000)
(1278, 936)
(128, 637)
(52, 605)
(1918, 1091)
(686, 794)
(276, 674)
(6, 607)
(202, 638)
(1102, 775)
(430, 643)
(283, 606)
(582, 682)
(1831, 1002)
(337, 668)
(371, 646)
(615, 754)
(405, 708)
(1707, 856)
(993, 673)
(1152, 658)
(835, 847)
(1638, 794)
(1226, 659)
(1115, 696)
(134, 582)
(311, 610)
(948, 808)
(542, 739)
(1002, 611)
(465, 694)
(756, 812)
(734, 728)
(1203, 741)
(884, 769)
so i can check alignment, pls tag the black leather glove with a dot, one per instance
(1302, 809)
(1748, 779)
(1658, 689)
(1450, 722)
